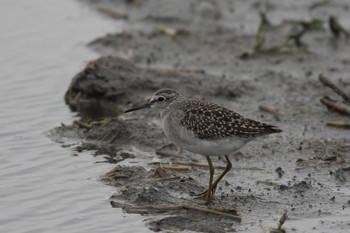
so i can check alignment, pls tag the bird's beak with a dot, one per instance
(146, 105)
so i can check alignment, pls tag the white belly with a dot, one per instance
(214, 147)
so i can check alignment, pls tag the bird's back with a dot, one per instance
(211, 121)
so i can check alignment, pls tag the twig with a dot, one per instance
(113, 174)
(171, 32)
(338, 124)
(270, 109)
(200, 165)
(112, 13)
(176, 168)
(164, 209)
(327, 82)
(320, 161)
(336, 28)
(82, 124)
(335, 106)
(282, 220)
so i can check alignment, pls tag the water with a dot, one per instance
(43, 188)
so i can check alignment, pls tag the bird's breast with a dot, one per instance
(174, 130)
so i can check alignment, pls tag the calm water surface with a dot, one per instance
(43, 188)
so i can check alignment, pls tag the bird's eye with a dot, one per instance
(160, 99)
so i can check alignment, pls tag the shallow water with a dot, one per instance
(43, 187)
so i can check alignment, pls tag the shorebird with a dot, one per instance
(204, 128)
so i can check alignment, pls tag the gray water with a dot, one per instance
(43, 188)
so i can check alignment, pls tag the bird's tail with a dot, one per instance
(273, 129)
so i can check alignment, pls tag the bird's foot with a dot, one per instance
(203, 194)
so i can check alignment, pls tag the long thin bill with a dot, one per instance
(146, 105)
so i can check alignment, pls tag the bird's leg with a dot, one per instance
(227, 168)
(210, 188)
(215, 184)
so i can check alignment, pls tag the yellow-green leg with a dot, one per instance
(211, 177)
(215, 184)
(227, 169)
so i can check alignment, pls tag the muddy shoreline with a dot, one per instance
(196, 47)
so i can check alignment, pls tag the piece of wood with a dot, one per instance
(164, 209)
(112, 13)
(82, 124)
(335, 106)
(270, 109)
(327, 82)
(338, 124)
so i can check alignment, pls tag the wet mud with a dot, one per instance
(205, 49)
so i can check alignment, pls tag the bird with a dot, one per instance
(204, 128)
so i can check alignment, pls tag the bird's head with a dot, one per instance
(160, 100)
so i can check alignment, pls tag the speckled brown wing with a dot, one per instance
(211, 121)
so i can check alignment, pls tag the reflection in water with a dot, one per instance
(42, 187)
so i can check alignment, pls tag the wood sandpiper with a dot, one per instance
(204, 128)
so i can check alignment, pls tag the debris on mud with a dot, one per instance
(334, 105)
(327, 82)
(279, 228)
(191, 46)
(145, 194)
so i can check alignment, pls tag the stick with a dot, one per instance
(164, 209)
(283, 218)
(176, 168)
(338, 124)
(270, 109)
(333, 105)
(82, 124)
(336, 28)
(327, 82)
(112, 13)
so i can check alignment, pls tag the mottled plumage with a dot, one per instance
(211, 121)
(205, 128)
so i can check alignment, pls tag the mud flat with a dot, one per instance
(266, 68)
